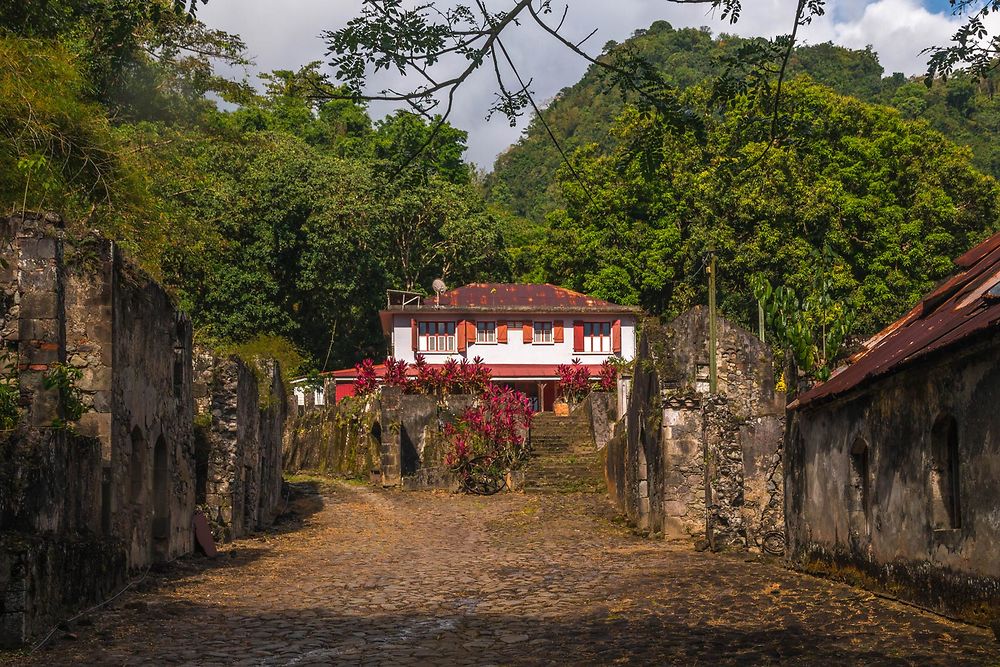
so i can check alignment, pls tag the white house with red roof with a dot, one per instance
(522, 332)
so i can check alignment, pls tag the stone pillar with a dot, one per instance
(390, 448)
(683, 466)
(41, 328)
(726, 526)
(224, 484)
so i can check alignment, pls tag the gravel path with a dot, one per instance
(373, 577)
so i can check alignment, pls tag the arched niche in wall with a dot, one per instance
(859, 487)
(161, 499)
(137, 465)
(945, 475)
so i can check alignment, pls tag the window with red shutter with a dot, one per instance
(462, 336)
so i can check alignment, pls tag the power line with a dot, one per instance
(538, 113)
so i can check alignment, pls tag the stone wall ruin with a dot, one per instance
(86, 503)
(695, 465)
(241, 409)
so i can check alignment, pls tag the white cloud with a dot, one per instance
(286, 35)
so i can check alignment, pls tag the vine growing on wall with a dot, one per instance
(63, 378)
(10, 393)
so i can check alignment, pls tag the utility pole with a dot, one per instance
(760, 318)
(713, 333)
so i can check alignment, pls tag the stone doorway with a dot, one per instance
(161, 500)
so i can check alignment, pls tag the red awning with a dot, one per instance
(499, 371)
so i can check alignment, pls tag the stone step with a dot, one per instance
(564, 472)
(561, 441)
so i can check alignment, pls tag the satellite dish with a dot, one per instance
(439, 286)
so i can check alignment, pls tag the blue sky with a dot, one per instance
(286, 35)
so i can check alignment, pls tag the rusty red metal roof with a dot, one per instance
(515, 295)
(955, 311)
(507, 298)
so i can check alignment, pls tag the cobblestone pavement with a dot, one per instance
(372, 577)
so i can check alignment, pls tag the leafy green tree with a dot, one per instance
(893, 198)
(142, 58)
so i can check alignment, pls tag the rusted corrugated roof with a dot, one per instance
(510, 298)
(515, 295)
(958, 309)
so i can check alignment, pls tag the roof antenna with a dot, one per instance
(439, 289)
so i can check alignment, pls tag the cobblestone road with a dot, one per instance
(377, 577)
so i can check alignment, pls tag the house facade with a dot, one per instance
(522, 332)
(892, 467)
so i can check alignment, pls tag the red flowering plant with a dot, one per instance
(396, 374)
(367, 380)
(574, 381)
(472, 378)
(607, 378)
(428, 379)
(490, 439)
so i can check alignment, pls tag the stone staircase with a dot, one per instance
(563, 459)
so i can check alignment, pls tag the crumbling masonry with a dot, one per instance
(241, 415)
(83, 504)
(693, 464)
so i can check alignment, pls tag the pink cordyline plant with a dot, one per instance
(490, 438)
(607, 378)
(574, 380)
(367, 380)
(396, 374)
(453, 377)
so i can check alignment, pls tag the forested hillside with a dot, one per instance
(524, 176)
(280, 218)
(282, 221)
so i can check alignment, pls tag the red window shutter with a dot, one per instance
(501, 332)
(461, 333)
(470, 327)
(616, 337)
(416, 335)
(578, 336)
(558, 335)
(528, 331)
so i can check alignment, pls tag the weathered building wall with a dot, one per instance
(633, 460)
(413, 447)
(273, 418)
(867, 490)
(341, 439)
(152, 437)
(84, 503)
(241, 417)
(601, 409)
(693, 464)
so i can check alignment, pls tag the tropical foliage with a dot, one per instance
(285, 216)
(893, 200)
(451, 377)
(490, 439)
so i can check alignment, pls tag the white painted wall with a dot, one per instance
(514, 351)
